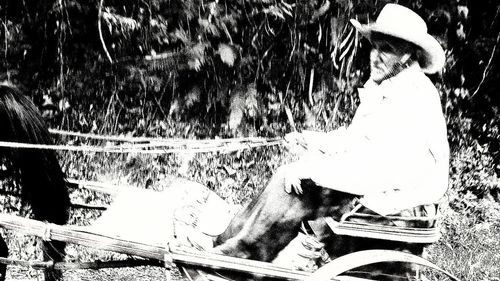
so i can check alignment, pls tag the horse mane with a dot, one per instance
(42, 181)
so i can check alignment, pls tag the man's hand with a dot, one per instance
(294, 173)
(296, 138)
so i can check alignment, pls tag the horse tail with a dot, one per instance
(42, 181)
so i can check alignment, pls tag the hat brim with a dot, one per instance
(434, 53)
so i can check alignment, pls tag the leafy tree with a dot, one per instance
(240, 64)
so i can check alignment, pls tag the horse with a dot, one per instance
(41, 181)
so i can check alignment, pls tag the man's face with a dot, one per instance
(385, 54)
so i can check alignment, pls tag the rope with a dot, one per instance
(170, 141)
(110, 189)
(97, 137)
(152, 149)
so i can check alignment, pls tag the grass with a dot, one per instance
(469, 248)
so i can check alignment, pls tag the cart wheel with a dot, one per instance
(333, 269)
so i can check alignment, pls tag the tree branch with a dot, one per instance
(488, 67)
(99, 16)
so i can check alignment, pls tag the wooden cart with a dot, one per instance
(196, 264)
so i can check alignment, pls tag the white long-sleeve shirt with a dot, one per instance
(395, 153)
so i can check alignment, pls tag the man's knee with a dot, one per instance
(276, 185)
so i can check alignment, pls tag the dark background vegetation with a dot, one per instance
(205, 69)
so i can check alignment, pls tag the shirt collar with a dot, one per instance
(372, 90)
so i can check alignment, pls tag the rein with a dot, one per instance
(143, 145)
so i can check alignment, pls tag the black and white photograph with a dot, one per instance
(249, 140)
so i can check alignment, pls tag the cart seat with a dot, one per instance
(417, 225)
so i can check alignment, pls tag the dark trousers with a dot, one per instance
(274, 218)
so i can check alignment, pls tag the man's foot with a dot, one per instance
(304, 253)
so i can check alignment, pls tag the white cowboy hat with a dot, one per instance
(403, 23)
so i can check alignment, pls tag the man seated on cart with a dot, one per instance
(393, 158)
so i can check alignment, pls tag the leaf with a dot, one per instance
(64, 105)
(236, 108)
(235, 118)
(197, 56)
(125, 24)
(227, 54)
(194, 64)
(274, 11)
(463, 11)
(321, 11)
(251, 102)
(229, 170)
(193, 96)
(310, 121)
(181, 35)
(460, 31)
(214, 9)
(203, 23)
(174, 108)
(198, 51)
(209, 27)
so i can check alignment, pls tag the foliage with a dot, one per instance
(219, 47)
(471, 173)
(469, 246)
(175, 58)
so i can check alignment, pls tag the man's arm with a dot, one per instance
(328, 143)
(391, 174)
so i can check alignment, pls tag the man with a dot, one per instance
(393, 157)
